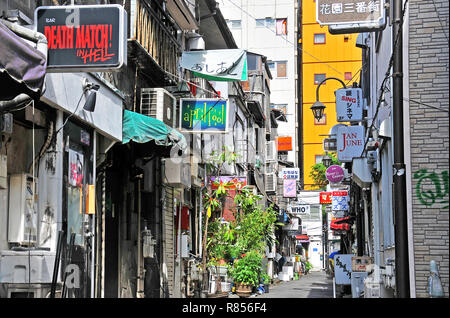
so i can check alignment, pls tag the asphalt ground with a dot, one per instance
(313, 285)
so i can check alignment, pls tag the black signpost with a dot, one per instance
(83, 38)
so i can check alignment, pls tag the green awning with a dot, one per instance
(141, 129)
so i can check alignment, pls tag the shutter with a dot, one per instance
(168, 243)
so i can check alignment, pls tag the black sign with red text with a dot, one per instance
(83, 38)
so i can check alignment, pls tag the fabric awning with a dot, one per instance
(141, 129)
(22, 67)
(302, 238)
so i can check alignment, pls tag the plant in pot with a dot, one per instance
(246, 273)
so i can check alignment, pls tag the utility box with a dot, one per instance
(22, 217)
(185, 245)
(357, 282)
(3, 172)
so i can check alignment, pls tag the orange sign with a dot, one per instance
(284, 143)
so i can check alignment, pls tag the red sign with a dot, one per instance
(325, 197)
(340, 193)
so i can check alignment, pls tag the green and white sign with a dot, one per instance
(207, 115)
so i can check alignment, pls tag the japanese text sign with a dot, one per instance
(349, 104)
(325, 197)
(217, 65)
(339, 201)
(83, 38)
(291, 173)
(203, 115)
(289, 188)
(349, 11)
(350, 142)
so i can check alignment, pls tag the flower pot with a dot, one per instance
(243, 290)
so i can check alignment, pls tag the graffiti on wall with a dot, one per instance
(432, 188)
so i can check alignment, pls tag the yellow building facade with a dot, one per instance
(323, 55)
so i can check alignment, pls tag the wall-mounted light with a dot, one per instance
(92, 88)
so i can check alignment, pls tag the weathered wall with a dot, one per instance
(429, 84)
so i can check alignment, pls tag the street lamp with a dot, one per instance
(318, 107)
(326, 160)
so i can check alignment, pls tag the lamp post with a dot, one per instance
(318, 107)
(326, 160)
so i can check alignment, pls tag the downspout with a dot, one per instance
(41, 46)
(299, 94)
(399, 168)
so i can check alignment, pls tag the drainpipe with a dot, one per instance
(399, 168)
(41, 46)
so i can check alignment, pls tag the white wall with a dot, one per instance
(275, 47)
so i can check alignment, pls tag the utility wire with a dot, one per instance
(387, 76)
(287, 40)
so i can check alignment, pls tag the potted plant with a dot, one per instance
(265, 279)
(246, 273)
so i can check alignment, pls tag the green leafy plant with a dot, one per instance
(247, 270)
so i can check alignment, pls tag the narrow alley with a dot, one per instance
(314, 285)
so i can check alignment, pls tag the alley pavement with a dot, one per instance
(313, 285)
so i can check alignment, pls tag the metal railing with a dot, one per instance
(157, 34)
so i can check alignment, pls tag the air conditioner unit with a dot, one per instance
(271, 151)
(160, 104)
(271, 182)
(22, 217)
(177, 174)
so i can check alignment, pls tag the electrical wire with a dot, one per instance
(387, 76)
(287, 40)
(65, 122)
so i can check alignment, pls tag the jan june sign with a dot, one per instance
(203, 115)
(350, 142)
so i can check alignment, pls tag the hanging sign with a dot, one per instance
(217, 65)
(289, 188)
(325, 197)
(205, 115)
(290, 173)
(284, 143)
(350, 142)
(339, 201)
(83, 38)
(349, 11)
(334, 174)
(349, 106)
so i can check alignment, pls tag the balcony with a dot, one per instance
(153, 42)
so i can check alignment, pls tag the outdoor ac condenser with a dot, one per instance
(160, 104)
(271, 182)
(22, 216)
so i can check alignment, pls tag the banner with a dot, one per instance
(217, 65)
(290, 173)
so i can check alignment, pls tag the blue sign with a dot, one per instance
(203, 115)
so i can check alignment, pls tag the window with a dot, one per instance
(322, 121)
(265, 23)
(281, 69)
(234, 24)
(348, 76)
(281, 26)
(319, 158)
(278, 68)
(319, 38)
(319, 78)
(282, 107)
